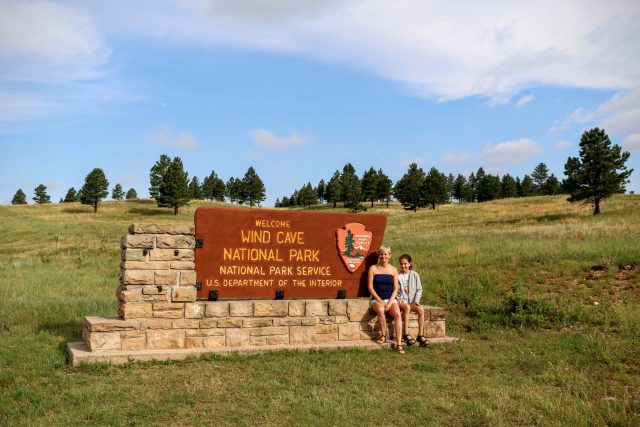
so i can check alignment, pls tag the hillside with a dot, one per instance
(545, 295)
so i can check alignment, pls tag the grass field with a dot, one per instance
(545, 296)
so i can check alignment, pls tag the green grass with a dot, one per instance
(547, 341)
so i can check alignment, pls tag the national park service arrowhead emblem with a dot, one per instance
(353, 243)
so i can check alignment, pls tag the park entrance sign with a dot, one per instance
(262, 253)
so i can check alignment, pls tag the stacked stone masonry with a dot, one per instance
(158, 308)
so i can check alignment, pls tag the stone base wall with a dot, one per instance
(158, 308)
(245, 323)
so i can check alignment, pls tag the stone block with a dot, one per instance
(134, 343)
(316, 308)
(154, 290)
(271, 308)
(182, 265)
(131, 334)
(436, 313)
(287, 321)
(149, 265)
(155, 324)
(141, 241)
(251, 322)
(183, 294)
(368, 335)
(277, 339)
(128, 295)
(309, 321)
(296, 308)
(185, 324)
(326, 329)
(194, 310)
(171, 255)
(168, 310)
(141, 255)
(301, 335)
(269, 330)
(162, 229)
(209, 323)
(137, 277)
(135, 311)
(187, 278)
(257, 341)
(358, 309)
(435, 328)
(162, 314)
(241, 308)
(337, 307)
(217, 309)
(237, 337)
(327, 337)
(349, 331)
(214, 341)
(172, 241)
(194, 342)
(109, 324)
(341, 319)
(104, 341)
(154, 298)
(166, 277)
(327, 320)
(205, 333)
(165, 339)
(229, 322)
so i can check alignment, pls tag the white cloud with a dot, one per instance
(48, 42)
(180, 141)
(632, 142)
(267, 140)
(510, 152)
(22, 107)
(579, 115)
(524, 100)
(451, 159)
(562, 145)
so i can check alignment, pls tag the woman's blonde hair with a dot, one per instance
(385, 249)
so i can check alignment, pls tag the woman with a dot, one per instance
(409, 300)
(383, 287)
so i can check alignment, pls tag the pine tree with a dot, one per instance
(351, 192)
(174, 188)
(155, 175)
(487, 186)
(132, 194)
(539, 176)
(285, 202)
(41, 196)
(320, 190)
(71, 196)
(385, 186)
(551, 186)
(213, 188)
(333, 192)
(308, 196)
(599, 172)
(526, 187)
(117, 193)
(95, 188)
(19, 198)
(508, 187)
(233, 190)
(370, 185)
(254, 190)
(409, 189)
(195, 189)
(436, 188)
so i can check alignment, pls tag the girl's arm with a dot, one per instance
(418, 288)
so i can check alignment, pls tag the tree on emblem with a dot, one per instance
(348, 243)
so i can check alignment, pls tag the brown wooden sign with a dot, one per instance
(252, 253)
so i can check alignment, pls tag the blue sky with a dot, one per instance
(297, 89)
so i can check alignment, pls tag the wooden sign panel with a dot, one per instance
(251, 253)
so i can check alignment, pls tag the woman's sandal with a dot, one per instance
(423, 341)
(399, 349)
(408, 339)
(381, 340)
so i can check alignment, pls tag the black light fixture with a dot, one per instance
(213, 295)
(342, 293)
(279, 293)
(198, 285)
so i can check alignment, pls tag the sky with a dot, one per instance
(299, 88)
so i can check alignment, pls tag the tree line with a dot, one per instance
(597, 173)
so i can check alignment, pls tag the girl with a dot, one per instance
(409, 300)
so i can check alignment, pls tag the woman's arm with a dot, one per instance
(370, 285)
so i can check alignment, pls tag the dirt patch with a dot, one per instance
(596, 272)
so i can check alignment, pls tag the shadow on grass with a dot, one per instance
(78, 209)
(540, 218)
(151, 211)
(71, 331)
